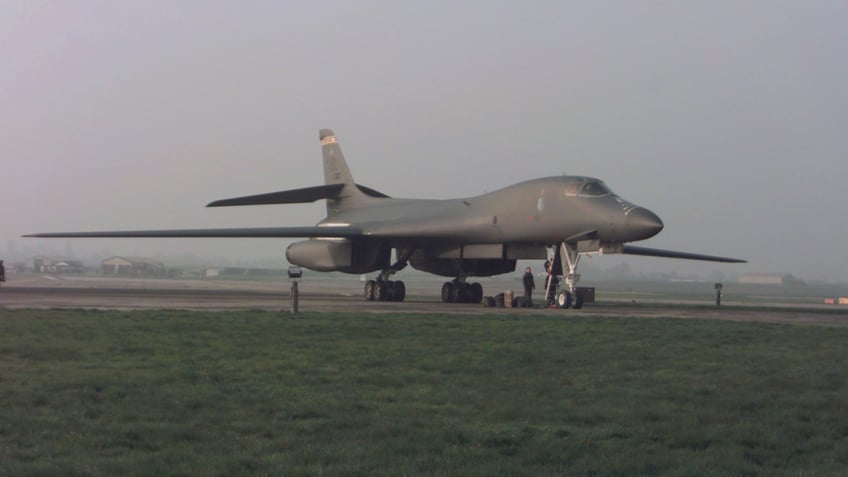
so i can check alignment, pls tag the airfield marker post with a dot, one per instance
(294, 297)
(294, 274)
(718, 288)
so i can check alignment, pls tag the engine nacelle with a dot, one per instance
(338, 256)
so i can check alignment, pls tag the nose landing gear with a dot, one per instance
(567, 296)
(567, 299)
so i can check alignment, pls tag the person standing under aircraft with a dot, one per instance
(529, 285)
(2, 272)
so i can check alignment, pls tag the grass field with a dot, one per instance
(253, 393)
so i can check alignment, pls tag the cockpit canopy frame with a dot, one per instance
(587, 188)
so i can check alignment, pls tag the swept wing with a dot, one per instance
(259, 232)
(657, 252)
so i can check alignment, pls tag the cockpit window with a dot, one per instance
(594, 189)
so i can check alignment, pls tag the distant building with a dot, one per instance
(132, 267)
(68, 266)
(54, 265)
(761, 279)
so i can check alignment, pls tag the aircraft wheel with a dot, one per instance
(489, 301)
(455, 293)
(463, 293)
(381, 291)
(476, 293)
(499, 300)
(446, 292)
(519, 302)
(563, 299)
(399, 291)
(369, 289)
(578, 301)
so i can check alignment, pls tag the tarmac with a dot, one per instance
(334, 296)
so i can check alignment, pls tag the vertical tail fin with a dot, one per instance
(337, 172)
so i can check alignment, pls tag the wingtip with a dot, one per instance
(44, 235)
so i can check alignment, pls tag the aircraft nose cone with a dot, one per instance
(643, 224)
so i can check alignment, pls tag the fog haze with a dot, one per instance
(727, 119)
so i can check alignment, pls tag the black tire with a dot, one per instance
(499, 300)
(489, 301)
(381, 292)
(463, 293)
(456, 292)
(369, 290)
(399, 291)
(476, 292)
(446, 292)
(578, 301)
(519, 302)
(563, 299)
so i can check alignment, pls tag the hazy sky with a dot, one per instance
(727, 119)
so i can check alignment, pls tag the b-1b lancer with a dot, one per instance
(563, 217)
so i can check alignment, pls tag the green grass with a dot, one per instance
(181, 393)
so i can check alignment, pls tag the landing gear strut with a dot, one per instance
(458, 291)
(567, 296)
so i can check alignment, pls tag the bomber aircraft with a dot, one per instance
(563, 217)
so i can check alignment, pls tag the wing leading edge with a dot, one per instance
(260, 232)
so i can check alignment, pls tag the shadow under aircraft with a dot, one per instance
(559, 218)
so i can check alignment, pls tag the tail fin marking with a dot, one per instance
(337, 172)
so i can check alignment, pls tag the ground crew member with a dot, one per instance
(2, 272)
(529, 285)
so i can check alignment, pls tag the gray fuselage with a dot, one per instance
(539, 211)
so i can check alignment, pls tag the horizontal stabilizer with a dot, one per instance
(261, 232)
(655, 252)
(371, 192)
(294, 196)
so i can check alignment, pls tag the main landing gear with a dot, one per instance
(458, 291)
(385, 290)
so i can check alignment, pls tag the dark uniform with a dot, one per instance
(529, 285)
(2, 272)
